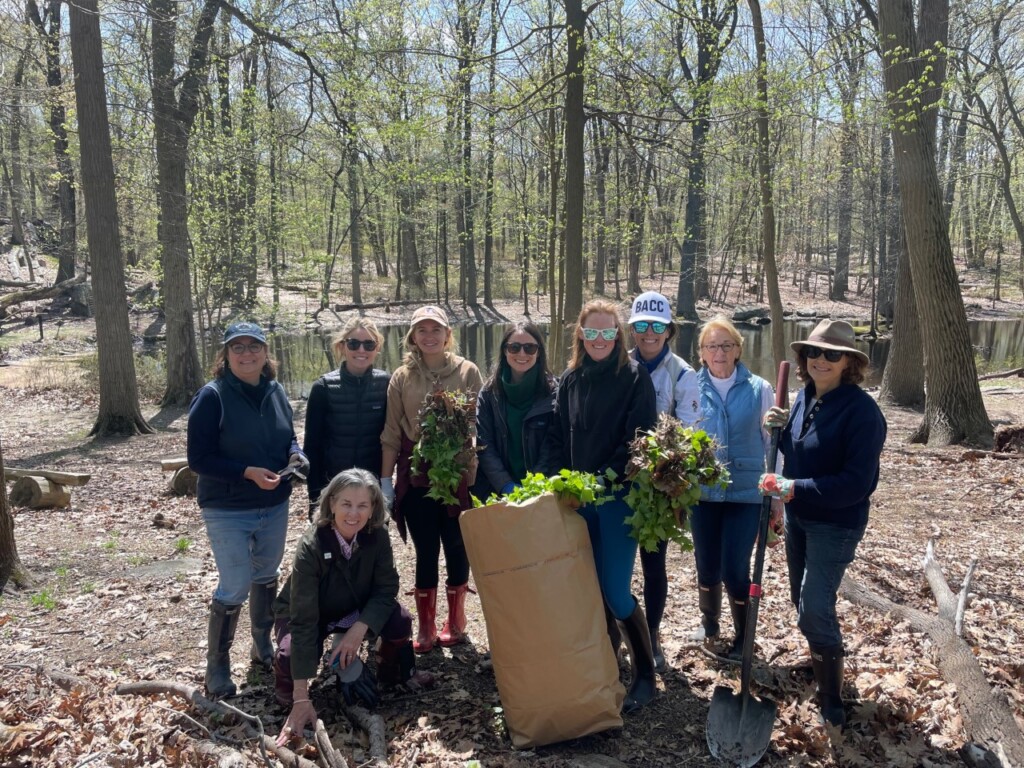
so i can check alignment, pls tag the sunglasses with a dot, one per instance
(241, 349)
(515, 348)
(641, 326)
(832, 355)
(368, 344)
(608, 334)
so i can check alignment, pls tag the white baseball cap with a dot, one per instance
(651, 306)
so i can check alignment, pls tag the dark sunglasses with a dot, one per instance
(515, 348)
(368, 344)
(832, 355)
(641, 326)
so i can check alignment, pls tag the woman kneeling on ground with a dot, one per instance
(343, 581)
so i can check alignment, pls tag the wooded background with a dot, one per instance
(484, 150)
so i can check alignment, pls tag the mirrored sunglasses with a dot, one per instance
(608, 334)
(832, 355)
(368, 344)
(515, 348)
(241, 349)
(641, 326)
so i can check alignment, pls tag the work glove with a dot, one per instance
(776, 486)
(363, 688)
(387, 487)
(776, 417)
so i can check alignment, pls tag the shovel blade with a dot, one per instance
(739, 727)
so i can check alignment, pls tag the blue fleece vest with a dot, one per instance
(736, 426)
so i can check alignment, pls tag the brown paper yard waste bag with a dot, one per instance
(534, 571)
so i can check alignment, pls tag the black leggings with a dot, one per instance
(655, 583)
(431, 528)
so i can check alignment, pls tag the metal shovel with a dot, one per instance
(739, 726)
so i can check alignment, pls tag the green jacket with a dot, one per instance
(325, 587)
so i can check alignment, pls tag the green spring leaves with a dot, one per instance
(446, 429)
(667, 466)
(587, 488)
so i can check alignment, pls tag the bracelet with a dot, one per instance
(300, 701)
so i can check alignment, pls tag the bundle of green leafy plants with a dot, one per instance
(667, 466)
(446, 427)
(584, 487)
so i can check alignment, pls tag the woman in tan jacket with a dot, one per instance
(430, 365)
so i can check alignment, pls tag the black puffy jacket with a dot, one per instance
(344, 420)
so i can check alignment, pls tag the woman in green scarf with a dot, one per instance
(514, 411)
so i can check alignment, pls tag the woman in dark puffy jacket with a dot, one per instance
(346, 409)
(514, 412)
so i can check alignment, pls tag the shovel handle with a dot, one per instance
(782, 385)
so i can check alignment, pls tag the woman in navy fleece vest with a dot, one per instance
(831, 442)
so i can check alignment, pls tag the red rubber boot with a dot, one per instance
(426, 613)
(454, 631)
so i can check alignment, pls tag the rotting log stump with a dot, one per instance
(39, 493)
(183, 482)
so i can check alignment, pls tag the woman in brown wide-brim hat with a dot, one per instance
(831, 442)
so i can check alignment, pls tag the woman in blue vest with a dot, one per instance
(675, 385)
(724, 524)
(346, 409)
(241, 443)
(513, 412)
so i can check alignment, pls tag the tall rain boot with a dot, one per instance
(261, 619)
(219, 636)
(828, 673)
(426, 614)
(454, 630)
(642, 686)
(709, 600)
(657, 654)
(614, 635)
(734, 653)
(396, 665)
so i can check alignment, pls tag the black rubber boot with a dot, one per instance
(221, 633)
(828, 673)
(642, 686)
(614, 635)
(709, 600)
(658, 654)
(261, 619)
(738, 608)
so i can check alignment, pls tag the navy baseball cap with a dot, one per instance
(252, 330)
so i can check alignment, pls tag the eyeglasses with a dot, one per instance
(241, 349)
(832, 355)
(608, 334)
(641, 326)
(515, 348)
(726, 347)
(368, 344)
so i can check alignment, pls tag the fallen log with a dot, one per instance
(1002, 374)
(169, 465)
(39, 493)
(988, 720)
(37, 294)
(374, 727)
(64, 478)
(381, 304)
(17, 284)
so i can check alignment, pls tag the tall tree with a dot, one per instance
(954, 409)
(48, 24)
(11, 569)
(119, 412)
(175, 103)
(574, 124)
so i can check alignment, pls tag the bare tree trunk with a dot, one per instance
(119, 412)
(11, 569)
(576, 30)
(492, 74)
(954, 410)
(355, 241)
(903, 384)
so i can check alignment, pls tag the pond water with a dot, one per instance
(305, 357)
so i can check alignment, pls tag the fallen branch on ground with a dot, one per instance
(374, 727)
(1002, 374)
(37, 294)
(988, 720)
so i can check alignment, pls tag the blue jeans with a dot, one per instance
(818, 554)
(247, 545)
(614, 553)
(723, 538)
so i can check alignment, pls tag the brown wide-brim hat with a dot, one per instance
(832, 334)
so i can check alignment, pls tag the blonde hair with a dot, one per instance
(720, 323)
(604, 307)
(353, 478)
(338, 342)
(412, 352)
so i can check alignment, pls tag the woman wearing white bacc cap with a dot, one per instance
(675, 384)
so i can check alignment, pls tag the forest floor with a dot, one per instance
(121, 595)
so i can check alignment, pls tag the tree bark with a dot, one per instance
(119, 412)
(954, 410)
(576, 54)
(11, 569)
(173, 116)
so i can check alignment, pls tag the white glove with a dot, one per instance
(387, 487)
